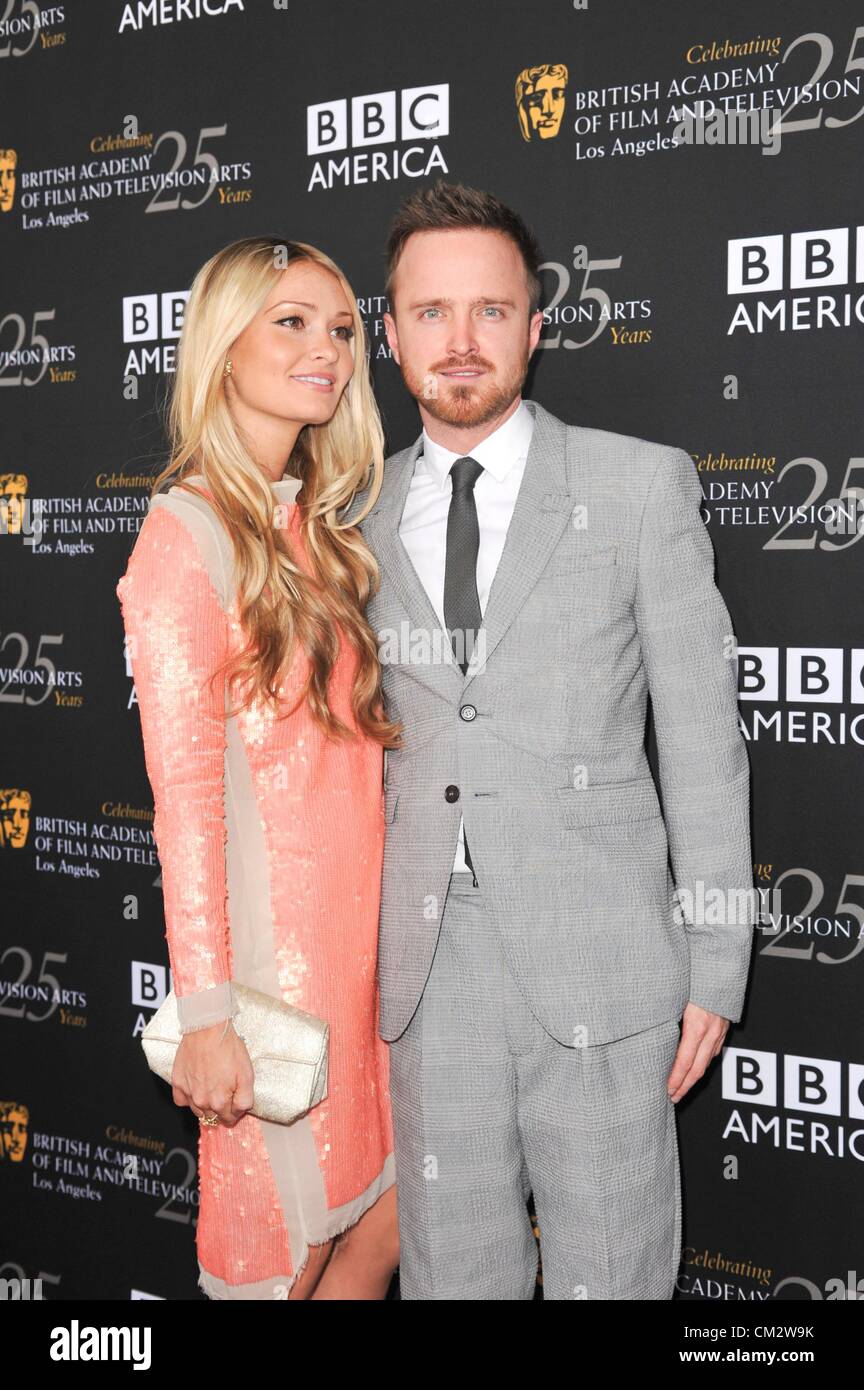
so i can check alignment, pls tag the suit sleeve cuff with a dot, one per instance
(710, 991)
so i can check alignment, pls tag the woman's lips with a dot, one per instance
(314, 385)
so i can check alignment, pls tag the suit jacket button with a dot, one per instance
(468, 712)
(451, 793)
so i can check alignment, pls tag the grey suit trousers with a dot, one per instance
(488, 1106)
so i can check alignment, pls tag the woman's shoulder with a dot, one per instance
(195, 527)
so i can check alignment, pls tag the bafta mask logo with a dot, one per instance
(14, 1119)
(13, 489)
(540, 100)
(14, 817)
(8, 165)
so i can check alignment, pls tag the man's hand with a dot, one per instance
(702, 1035)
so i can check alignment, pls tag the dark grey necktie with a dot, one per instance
(462, 615)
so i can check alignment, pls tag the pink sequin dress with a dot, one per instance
(270, 838)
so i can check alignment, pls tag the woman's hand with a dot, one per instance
(213, 1073)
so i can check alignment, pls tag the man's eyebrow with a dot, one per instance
(481, 299)
(342, 313)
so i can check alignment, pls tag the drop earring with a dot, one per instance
(229, 367)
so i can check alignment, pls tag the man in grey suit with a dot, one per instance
(538, 581)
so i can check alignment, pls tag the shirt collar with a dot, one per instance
(498, 452)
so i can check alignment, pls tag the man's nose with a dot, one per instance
(462, 338)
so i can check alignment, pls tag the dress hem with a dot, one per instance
(340, 1219)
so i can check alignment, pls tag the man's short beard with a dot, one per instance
(467, 407)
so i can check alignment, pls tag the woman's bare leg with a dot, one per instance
(304, 1284)
(365, 1256)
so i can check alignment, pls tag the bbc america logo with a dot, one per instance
(810, 268)
(760, 265)
(379, 136)
(150, 317)
(809, 687)
(825, 1098)
(379, 118)
(152, 324)
(814, 1085)
(812, 675)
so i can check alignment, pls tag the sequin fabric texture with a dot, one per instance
(270, 837)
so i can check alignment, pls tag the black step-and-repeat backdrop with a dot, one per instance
(693, 173)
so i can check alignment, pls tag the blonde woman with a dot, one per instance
(259, 691)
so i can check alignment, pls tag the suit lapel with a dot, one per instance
(381, 531)
(543, 508)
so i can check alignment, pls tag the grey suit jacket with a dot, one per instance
(604, 592)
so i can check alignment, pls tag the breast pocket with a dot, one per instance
(586, 579)
(574, 559)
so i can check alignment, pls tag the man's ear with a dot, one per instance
(392, 335)
(534, 328)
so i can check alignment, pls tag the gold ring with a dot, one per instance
(209, 1119)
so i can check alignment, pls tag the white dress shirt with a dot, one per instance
(423, 528)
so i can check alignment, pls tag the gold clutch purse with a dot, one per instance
(288, 1049)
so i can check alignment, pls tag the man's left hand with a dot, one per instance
(702, 1035)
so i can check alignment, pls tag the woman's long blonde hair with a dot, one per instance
(279, 604)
